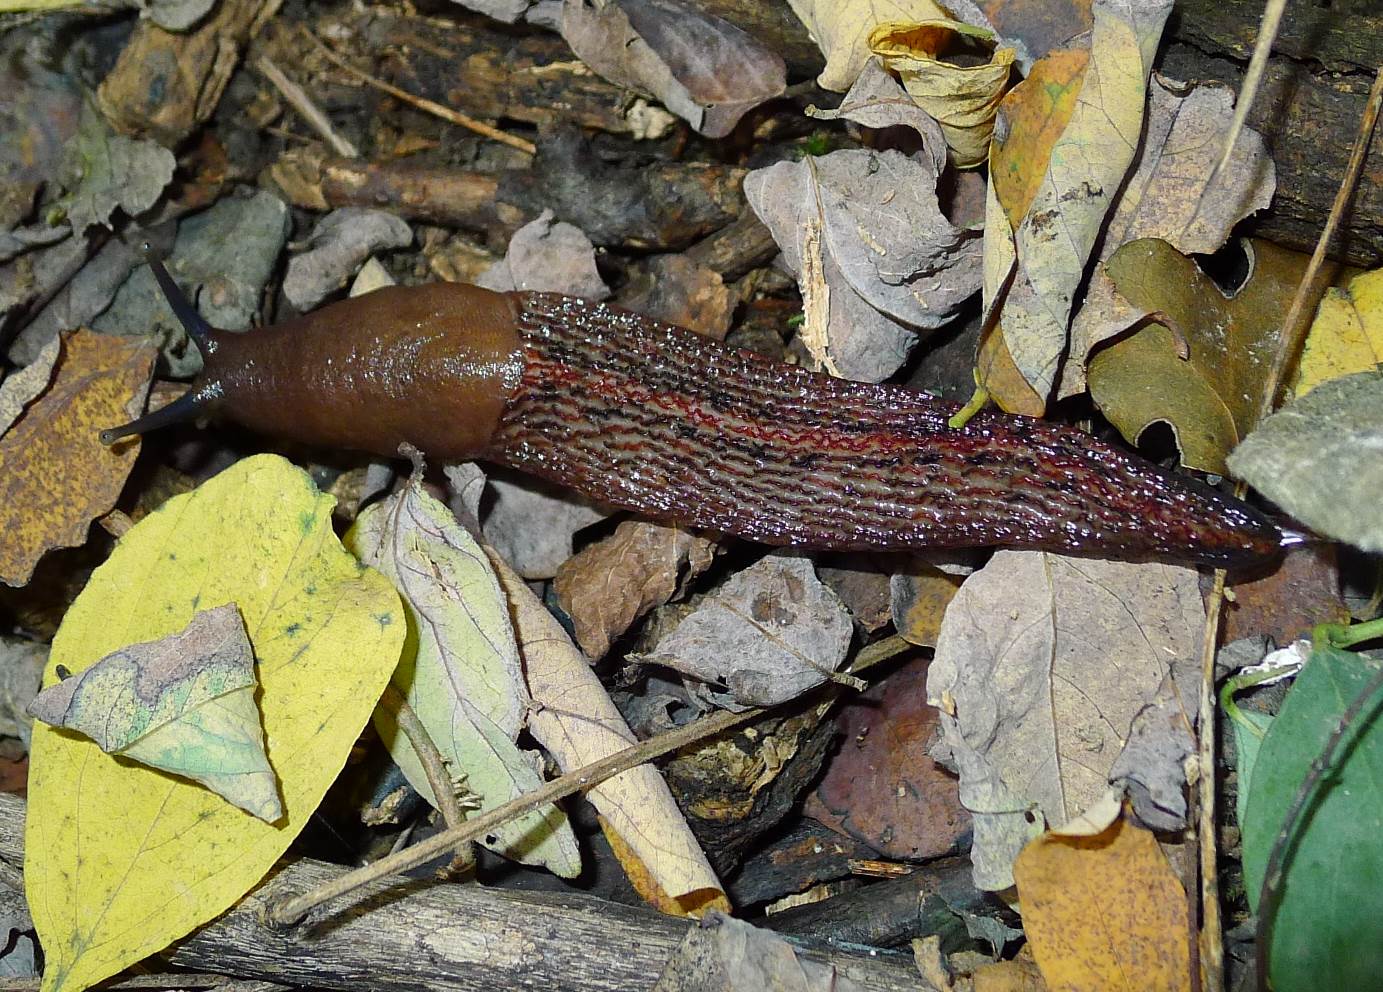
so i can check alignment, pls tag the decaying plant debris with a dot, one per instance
(538, 741)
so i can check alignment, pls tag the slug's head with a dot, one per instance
(432, 366)
(198, 400)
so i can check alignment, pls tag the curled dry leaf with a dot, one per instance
(548, 257)
(460, 670)
(1200, 365)
(1072, 127)
(703, 68)
(878, 101)
(1321, 459)
(577, 723)
(769, 634)
(609, 585)
(870, 226)
(1040, 670)
(339, 243)
(55, 474)
(963, 99)
(841, 29)
(1166, 197)
(184, 704)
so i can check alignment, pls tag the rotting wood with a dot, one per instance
(410, 934)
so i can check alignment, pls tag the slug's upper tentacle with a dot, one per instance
(656, 419)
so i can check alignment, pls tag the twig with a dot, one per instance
(1248, 89)
(436, 109)
(1272, 873)
(299, 100)
(1295, 325)
(1211, 941)
(288, 911)
(434, 765)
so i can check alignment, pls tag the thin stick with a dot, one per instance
(1272, 874)
(297, 97)
(434, 765)
(1248, 89)
(436, 109)
(1211, 941)
(1296, 324)
(288, 911)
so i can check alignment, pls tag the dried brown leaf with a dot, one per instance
(55, 475)
(609, 585)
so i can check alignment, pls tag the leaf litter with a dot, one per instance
(883, 269)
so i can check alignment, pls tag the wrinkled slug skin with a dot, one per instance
(657, 419)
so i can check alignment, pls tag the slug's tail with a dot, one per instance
(192, 404)
(656, 419)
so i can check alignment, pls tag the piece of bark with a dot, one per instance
(653, 206)
(737, 788)
(1310, 120)
(931, 900)
(745, 243)
(657, 206)
(809, 855)
(454, 197)
(409, 934)
(164, 84)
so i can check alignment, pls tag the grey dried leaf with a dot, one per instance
(703, 68)
(884, 233)
(767, 635)
(877, 100)
(103, 171)
(1320, 458)
(548, 257)
(340, 242)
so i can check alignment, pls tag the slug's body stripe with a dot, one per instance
(653, 418)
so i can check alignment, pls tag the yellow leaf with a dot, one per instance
(1104, 913)
(1347, 335)
(841, 30)
(121, 860)
(963, 99)
(1039, 263)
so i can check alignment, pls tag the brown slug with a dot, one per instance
(654, 418)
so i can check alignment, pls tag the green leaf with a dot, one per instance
(183, 704)
(1325, 932)
(460, 670)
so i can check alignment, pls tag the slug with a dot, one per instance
(654, 418)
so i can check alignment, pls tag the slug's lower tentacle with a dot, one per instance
(655, 419)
